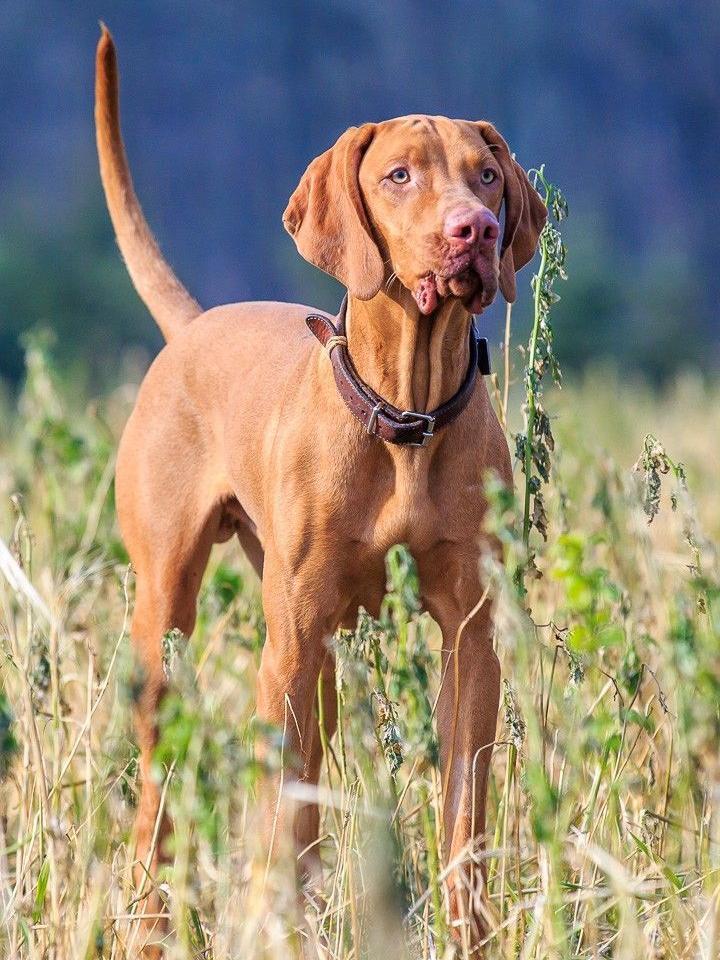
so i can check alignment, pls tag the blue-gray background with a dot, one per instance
(225, 103)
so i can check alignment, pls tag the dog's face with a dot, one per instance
(419, 198)
(433, 192)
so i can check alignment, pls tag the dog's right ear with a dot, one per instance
(525, 213)
(326, 216)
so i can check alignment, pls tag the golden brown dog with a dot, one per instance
(239, 429)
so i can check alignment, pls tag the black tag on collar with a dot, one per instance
(483, 356)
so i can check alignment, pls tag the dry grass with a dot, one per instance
(606, 777)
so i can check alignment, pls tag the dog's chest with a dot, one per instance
(401, 497)
(408, 515)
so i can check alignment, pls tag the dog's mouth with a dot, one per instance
(471, 280)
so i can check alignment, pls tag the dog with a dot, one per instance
(321, 442)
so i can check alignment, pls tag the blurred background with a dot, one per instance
(224, 105)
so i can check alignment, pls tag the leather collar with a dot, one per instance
(379, 417)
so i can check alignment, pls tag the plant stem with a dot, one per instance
(531, 393)
(509, 780)
(380, 680)
(506, 366)
(433, 864)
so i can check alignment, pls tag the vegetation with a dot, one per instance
(605, 786)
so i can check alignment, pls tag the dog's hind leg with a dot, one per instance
(167, 587)
(169, 536)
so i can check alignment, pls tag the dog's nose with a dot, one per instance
(473, 227)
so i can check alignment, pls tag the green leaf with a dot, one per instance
(41, 891)
(672, 877)
(640, 844)
(632, 716)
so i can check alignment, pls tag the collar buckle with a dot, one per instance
(429, 423)
(372, 422)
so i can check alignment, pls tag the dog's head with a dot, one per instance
(418, 197)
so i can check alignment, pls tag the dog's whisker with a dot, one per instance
(391, 279)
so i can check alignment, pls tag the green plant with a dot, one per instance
(533, 447)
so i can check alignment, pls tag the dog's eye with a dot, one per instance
(488, 175)
(400, 175)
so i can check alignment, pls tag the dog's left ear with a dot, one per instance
(525, 213)
(327, 218)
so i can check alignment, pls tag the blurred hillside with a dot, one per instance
(224, 104)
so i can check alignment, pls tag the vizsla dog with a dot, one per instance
(320, 442)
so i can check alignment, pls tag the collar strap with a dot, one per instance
(379, 417)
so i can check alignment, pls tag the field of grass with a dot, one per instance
(604, 836)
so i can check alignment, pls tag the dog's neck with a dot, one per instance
(415, 362)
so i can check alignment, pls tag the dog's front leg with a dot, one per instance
(299, 630)
(467, 718)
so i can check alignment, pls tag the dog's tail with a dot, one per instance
(161, 291)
